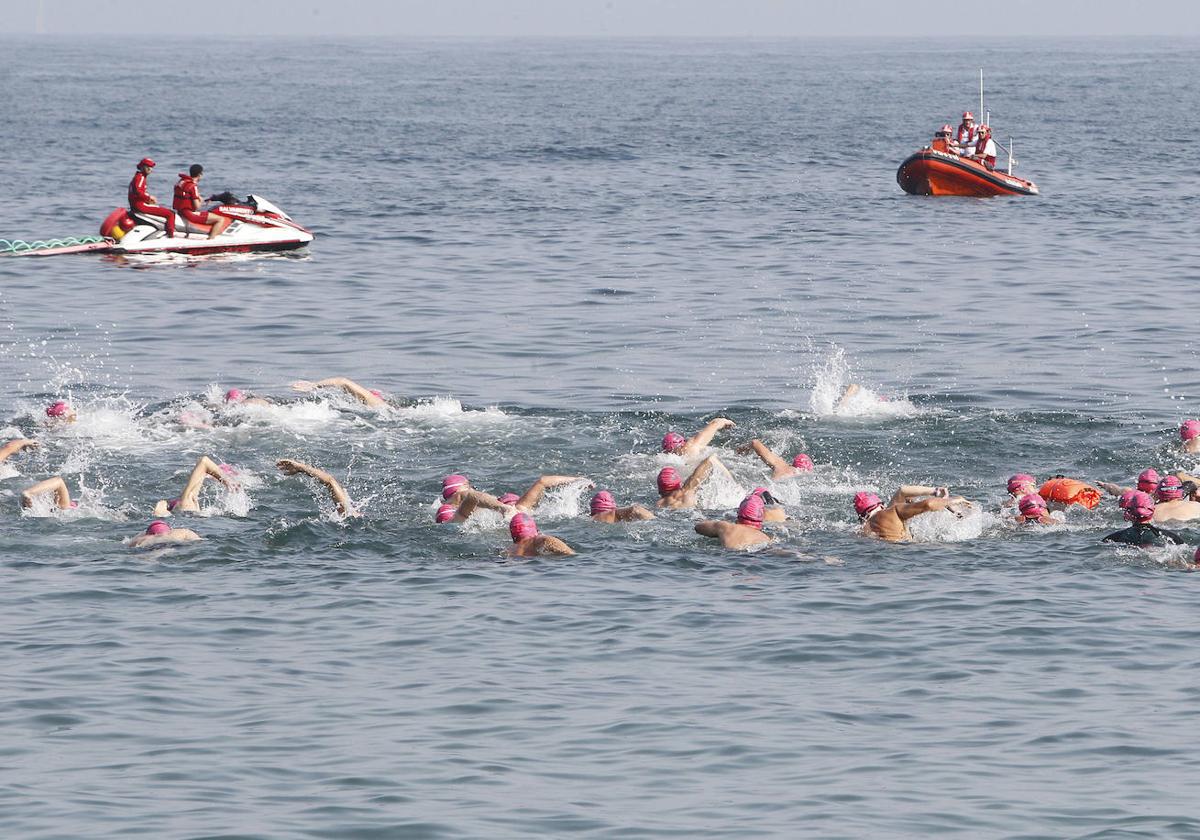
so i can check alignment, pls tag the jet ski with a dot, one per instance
(255, 225)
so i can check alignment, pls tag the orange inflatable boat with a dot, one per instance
(938, 171)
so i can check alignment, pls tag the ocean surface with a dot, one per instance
(546, 254)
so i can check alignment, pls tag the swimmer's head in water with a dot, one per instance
(866, 503)
(1032, 505)
(509, 499)
(1190, 429)
(802, 462)
(1123, 499)
(1169, 489)
(673, 442)
(451, 484)
(158, 528)
(750, 511)
(603, 502)
(1147, 480)
(444, 514)
(668, 481)
(764, 494)
(522, 527)
(59, 408)
(172, 503)
(234, 395)
(1021, 484)
(1140, 508)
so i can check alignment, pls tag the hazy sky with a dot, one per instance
(600, 18)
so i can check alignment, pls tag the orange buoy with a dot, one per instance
(1070, 491)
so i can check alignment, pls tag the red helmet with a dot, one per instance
(946, 129)
(967, 115)
(146, 162)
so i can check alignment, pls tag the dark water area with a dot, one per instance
(547, 254)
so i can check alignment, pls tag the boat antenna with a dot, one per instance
(981, 111)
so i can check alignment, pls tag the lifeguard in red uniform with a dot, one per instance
(966, 135)
(187, 202)
(941, 140)
(141, 201)
(985, 147)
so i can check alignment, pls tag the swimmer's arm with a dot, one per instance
(340, 497)
(534, 494)
(363, 395)
(633, 512)
(767, 456)
(1110, 488)
(912, 492)
(907, 510)
(62, 496)
(1185, 477)
(205, 467)
(14, 446)
(703, 437)
(851, 390)
(709, 528)
(553, 545)
(1171, 536)
(700, 473)
(472, 499)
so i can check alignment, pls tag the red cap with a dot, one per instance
(146, 162)
(158, 528)
(668, 480)
(522, 527)
(967, 115)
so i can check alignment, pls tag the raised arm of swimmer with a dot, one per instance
(704, 437)
(55, 485)
(340, 497)
(534, 494)
(364, 395)
(14, 446)
(189, 499)
(851, 391)
(473, 500)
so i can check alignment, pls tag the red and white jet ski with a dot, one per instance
(257, 225)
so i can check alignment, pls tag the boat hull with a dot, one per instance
(930, 172)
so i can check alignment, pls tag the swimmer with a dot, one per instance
(161, 534)
(1191, 485)
(236, 396)
(745, 532)
(340, 498)
(55, 485)
(1171, 502)
(527, 542)
(772, 508)
(677, 444)
(189, 500)
(677, 494)
(780, 469)
(60, 412)
(890, 522)
(367, 396)
(469, 502)
(604, 508)
(1032, 508)
(454, 484)
(1189, 434)
(14, 446)
(1147, 482)
(1140, 510)
(1019, 485)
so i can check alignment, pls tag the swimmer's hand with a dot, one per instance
(304, 385)
(723, 423)
(941, 492)
(289, 467)
(960, 508)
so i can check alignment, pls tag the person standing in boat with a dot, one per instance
(966, 136)
(140, 200)
(985, 148)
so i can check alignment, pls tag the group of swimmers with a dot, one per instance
(1155, 499)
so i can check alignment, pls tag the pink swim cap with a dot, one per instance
(750, 511)
(234, 395)
(173, 503)
(1147, 481)
(802, 462)
(603, 502)
(1031, 505)
(1169, 489)
(522, 527)
(1140, 508)
(444, 514)
(451, 484)
(668, 480)
(672, 441)
(376, 392)
(1017, 481)
(57, 409)
(158, 528)
(864, 503)
(509, 499)
(1190, 429)
(1123, 499)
